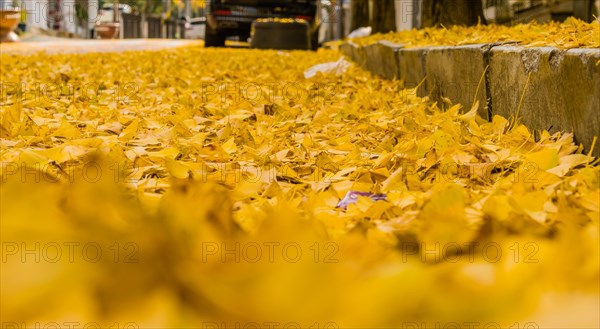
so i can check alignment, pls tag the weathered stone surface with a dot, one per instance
(360, 56)
(391, 61)
(370, 52)
(458, 73)
(388, 64)
(354, 52)
(347, 50)
(563, 92)
(411, 68)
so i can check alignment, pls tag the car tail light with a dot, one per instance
(306, 18)
(222, 12)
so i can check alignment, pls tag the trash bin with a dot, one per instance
(9, 20)
(107, 30)
(281, 34)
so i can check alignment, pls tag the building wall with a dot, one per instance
(59, 15)
(36, 13)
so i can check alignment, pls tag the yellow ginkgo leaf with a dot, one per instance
(229, 147)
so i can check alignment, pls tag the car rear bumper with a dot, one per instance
(241, 17)
(243, 23)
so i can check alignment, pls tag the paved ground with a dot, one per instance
(53, 45)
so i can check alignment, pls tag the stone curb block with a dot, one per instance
(347, 49)
(562, 95)
(563, 92)
(396, 62)
(458, 73)
(412, 68)
(387, 66)
(370, 51)
(355, 52)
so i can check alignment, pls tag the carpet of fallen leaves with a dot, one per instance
(195, 187)
(572, 33)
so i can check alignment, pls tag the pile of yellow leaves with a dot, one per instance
(572, 33)
(198, 188)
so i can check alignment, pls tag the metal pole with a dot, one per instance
(92, 15)
(166, 11)
(116, 11)
(188, 8)
(340, 9)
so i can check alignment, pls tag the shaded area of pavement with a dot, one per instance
(53, 45)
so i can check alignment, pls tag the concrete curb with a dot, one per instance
(563, 92)
(458, 73)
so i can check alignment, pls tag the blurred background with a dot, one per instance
(186, 19)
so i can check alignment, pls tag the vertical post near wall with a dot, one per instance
(408, 13)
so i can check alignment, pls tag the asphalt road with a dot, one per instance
(53, 45)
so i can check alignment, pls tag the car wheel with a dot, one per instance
(213, 38)
(314, 40)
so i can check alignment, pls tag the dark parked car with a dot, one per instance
(226, 18)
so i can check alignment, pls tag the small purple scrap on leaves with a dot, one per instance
(352, 196)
